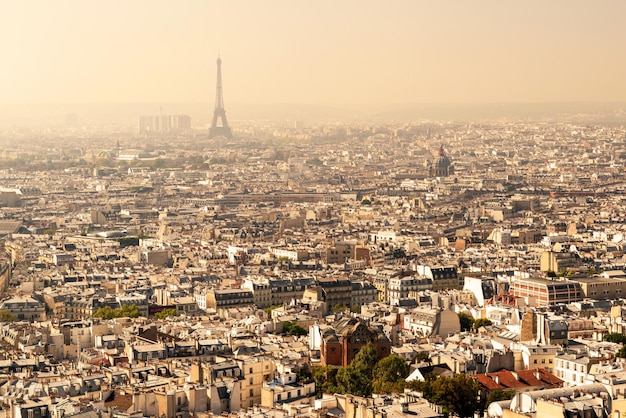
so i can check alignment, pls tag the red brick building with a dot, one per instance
(341, 342)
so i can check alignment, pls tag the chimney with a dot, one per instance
(541, 329)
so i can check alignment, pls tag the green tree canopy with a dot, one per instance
(106, 312)
(481, 322)
(499, 395)
(466, 321)
(457, 394)
(291, 328)
(365, 375)
(353, 381)
(356, 378)
(325, 380)
(337, 308)
(389, 374)
(615, 337)
(365, 360)
(6, 316)
(166, 313)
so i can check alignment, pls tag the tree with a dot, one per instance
(166, 313)
(339, 308)
(615, 337)
(457, 394)
(466, 321)
(499, 395)
(7, 316)
(481, 322)
(291, 328)
(269, 309)
(353, 381)
(399, 253)
(365, 375)
(106, 312)
(325, 380)
(366, 201)
(356, 378)
(365, 360)
(389, 374)
(621, 353)
(422, 356)
(130, 311)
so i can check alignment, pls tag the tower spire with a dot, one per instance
(219, 124)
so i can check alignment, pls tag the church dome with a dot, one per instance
(441, 166)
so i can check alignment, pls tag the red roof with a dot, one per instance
(528, 376)
(506, 379)
(487, 382)
(549, 377)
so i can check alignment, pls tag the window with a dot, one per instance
(251, 392)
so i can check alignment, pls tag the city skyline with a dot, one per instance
(363, 54)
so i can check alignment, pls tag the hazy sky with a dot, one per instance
(313, 52)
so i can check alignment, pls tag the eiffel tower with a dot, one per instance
(221, 129)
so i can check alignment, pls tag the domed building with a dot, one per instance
(441, 166)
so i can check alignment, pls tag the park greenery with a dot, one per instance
(166, 313)
(126, 311)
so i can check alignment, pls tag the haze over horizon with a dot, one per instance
(316, 53)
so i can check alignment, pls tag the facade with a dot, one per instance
(339, 252)
(336, 291)
(261, 292)
(443, 277)
(559, 262)
(572, 368)
(426, 322)
(286, 389)
(602, 288)
(228, 298)
(546, 292)
(400, 288)
(284, 291)
(256, 372)
(363, 293)
(25, 308)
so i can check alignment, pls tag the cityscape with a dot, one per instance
(384, 259)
